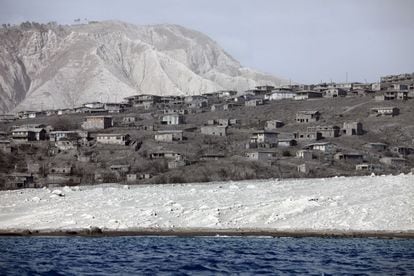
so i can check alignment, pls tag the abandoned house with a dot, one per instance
(304, 95)
(284, 143)
(307, 135)
(113, 139)
(280, 94)
(20, 180)
(263, 138)
(254, 102)
(376, 146)
(394, 161)
(97, 122)
(174, 164)
(334, 93)
(326, 131)
(352, 128)
(67, 135)
(351, 157)
(28, 134)
(261, 155)
(368, 167)
(215, 130)
(5, 146)
(169, 135)
(385, 111)
(402, 151)
(304, 154)
(129, 119)
(60, 169)
(166, 155)
(307, 116)
(392, 95)
(172, 119)
(121, 169)
(144, 101)
(324, 147)
(212, 157)
(273, 124)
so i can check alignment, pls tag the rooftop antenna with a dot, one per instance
(346, 77)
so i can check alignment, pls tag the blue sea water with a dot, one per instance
(204, 256)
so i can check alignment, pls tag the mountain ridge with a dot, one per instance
(62, 66)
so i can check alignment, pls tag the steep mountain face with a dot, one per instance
(49, 66)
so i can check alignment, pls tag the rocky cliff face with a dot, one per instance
(49, 66)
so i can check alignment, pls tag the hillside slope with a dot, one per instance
(53, 66)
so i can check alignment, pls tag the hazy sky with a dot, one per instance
(304, 40)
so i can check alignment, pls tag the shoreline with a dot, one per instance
(202, 232)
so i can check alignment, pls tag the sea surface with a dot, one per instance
(204, 256)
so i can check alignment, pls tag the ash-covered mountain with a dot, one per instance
(54, 66)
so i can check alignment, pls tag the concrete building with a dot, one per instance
(169, 135)
(394, 161)
(113, 139)
(334, 93)
(264, 139)
(326, 131)
(145, 101)
(166, 155)
(172, 119)
(121, 169)
(261, 155)
(307, 116)
(215, 130)
(324, 147)
(280, 94)
(351, 157)
(254, 102)
(391, 95)
(307, 135)
(368, 167)
(174, 164)
(60, 169)
(304, 154)
(97, 122)
(385, 111)
(305, 95)
(352, 128)
(284, 143)
(67, 135)
(273, 124)
(28, 134)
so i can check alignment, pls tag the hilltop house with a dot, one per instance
(334, 92)
(308, 135)
(385, 111)
(307, 116)
(97, 122)
(352, 157)
(261, 155)
(326, 131)
(324, 147)
(113, 139)
(352, 128)
(264, 139)
(273, 124)
(215, 130)
(305, 95)
(304, 154)
(172, 119)
(169, 135)
(280, 94)
(28, 134)
(145, 101)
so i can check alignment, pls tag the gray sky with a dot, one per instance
(304, 40)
